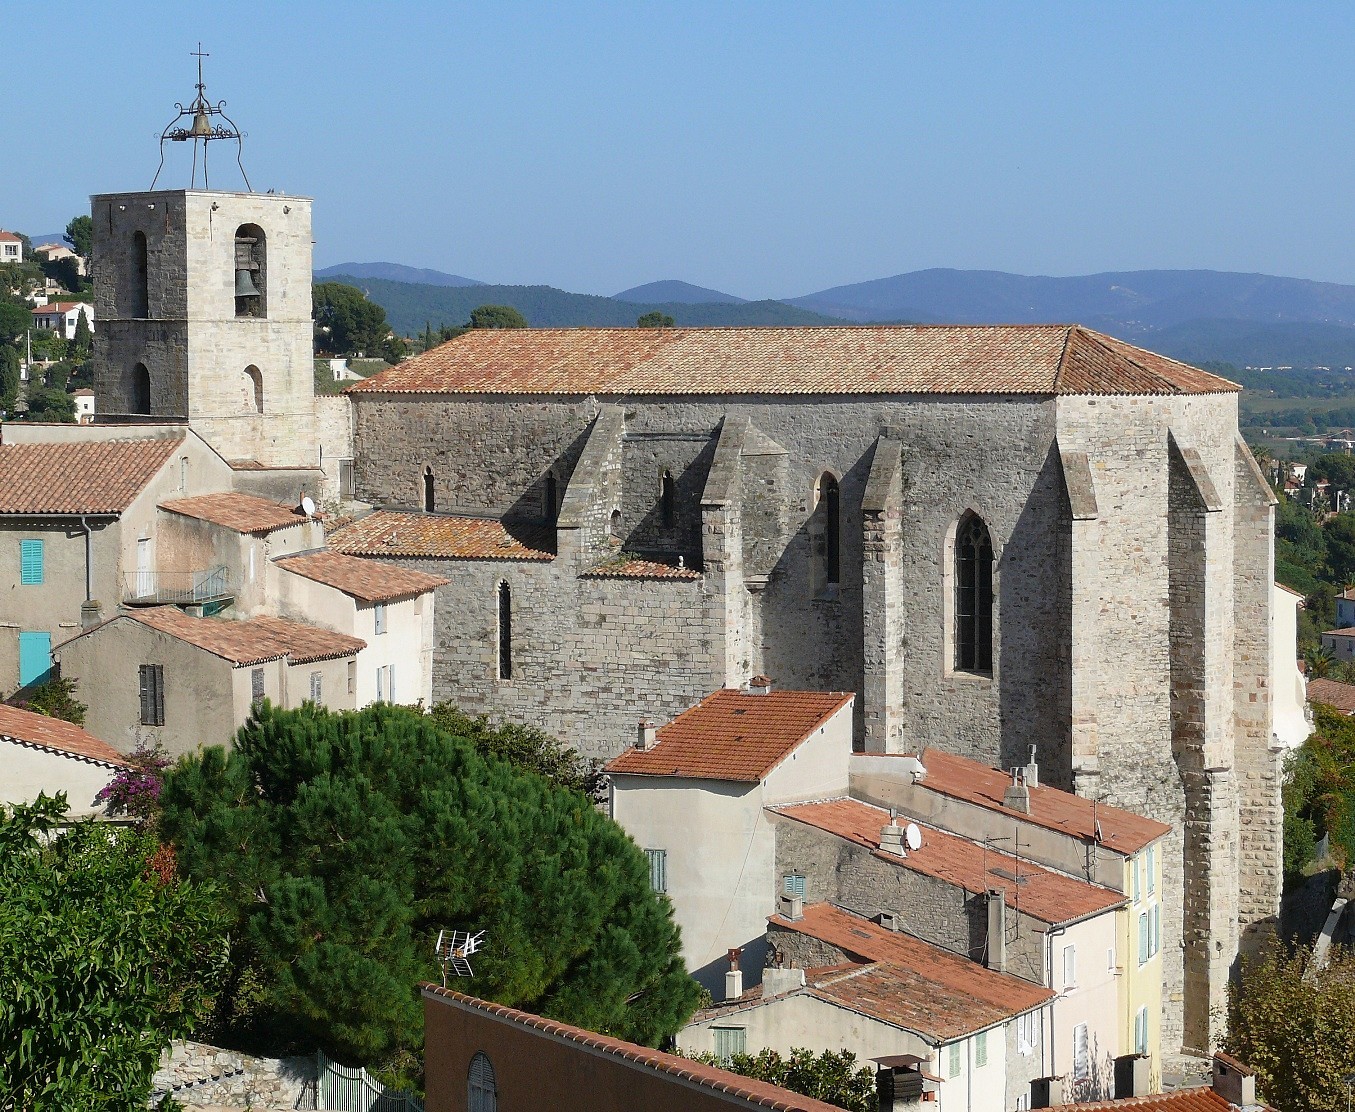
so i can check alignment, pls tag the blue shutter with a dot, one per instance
(30, 562)
(35, 657)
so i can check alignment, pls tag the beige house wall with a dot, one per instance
(26, 772)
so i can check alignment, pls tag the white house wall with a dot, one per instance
(817, 769)
(29, 771)
(1290, 693)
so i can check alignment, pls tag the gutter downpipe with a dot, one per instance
(89, 558)
(1049, 957)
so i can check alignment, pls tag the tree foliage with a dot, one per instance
(15, 319)
(655, 319)
(84, 337)
(832, 1077)
(344, 841)
(1319, 793)
(56, 699)
(496, 316)
(528, 748)
(347, 323)
(104, 958)
(48, 404)
(80, 235)
(1295, 1026)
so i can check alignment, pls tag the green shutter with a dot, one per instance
(658, 869)
(729, 1041)
(30, 562)
(981, 1050)
(954, 1060)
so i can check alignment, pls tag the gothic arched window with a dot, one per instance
(482, 1091)
(973, 596)
(139, 400)
(505, 605)
(827, 532)
(141, 298)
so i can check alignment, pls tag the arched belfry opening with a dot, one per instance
(254, 388)
(251, 271)
(973, 595)
(139, 396)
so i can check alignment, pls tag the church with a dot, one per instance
(1019, 544)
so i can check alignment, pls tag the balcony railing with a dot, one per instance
(177, 588)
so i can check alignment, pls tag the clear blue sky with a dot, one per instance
(767, 149)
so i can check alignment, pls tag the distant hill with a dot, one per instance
(397, 272)
(409, 306)
(671, 291)
(1248, 344)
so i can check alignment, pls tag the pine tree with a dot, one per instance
(344, 841)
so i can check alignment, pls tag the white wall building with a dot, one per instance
(41, 755)
(63, 317)
(1289, 694)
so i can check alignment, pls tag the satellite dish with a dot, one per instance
(307, 505)
(913, 836)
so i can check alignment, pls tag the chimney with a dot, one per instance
(902, 1083)
(790, 907)
(777, 980)
(760, 685)
(997, 930)
(1017, 795)
(646, 734)
(1046, 1092)
(1233, 1081)
(891, 837)
(91, 613)
(890, 920)
(1032, 771)
(734, 978)
(1133, 1075)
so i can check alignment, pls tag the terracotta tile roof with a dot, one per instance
(1040, 893)
(1333, 694)
(909, 359)
(757, 1093)
(26, 727)
(1197, 1099)
(977, 783)
(364, 580)
(641, 569)
(252, 641)
(90, 477)
(1300, 594)
(939, 994)
(244, 513)
(9, 237)
(54, 308)
(732, 735)
(1348, 631)
(399, 533)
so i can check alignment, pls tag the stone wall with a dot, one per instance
(196, 1074)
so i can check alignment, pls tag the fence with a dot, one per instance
(352, 1089)
(181, 587)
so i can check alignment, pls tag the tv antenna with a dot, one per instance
(201, 129)
(454, 949)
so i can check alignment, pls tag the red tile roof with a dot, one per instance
(1348, 631)
(1041, 893)
(908, 359)
(641, 569)
(1197, 1099)
(962, 778)
(89, 477)
(398, 533)
(244, 513)
(1333, 694)
(758, 1093)
(939, 994)
(9, 237)
(26, 727)
(364, 580)
(53, 308)
(732, 735)
(252, 641)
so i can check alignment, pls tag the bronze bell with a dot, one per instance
(202, 126)
(244, 284)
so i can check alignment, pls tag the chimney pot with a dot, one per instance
(91, 613)
(734, 978)
(760, 685)
(646, 734)
(790, 907)
(1017, 795)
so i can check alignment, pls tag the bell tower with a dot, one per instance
(204, 302)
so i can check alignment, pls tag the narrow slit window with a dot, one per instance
(256, 685)
(973, 596)
(668, 499)
(429, 500)
(141, 299)
(505, 601)
(552, 498)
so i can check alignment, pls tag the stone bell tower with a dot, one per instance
(204, 303)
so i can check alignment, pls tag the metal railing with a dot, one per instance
(177, 588)
(352, 1089)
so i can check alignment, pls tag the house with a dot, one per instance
(1086, 841)
(168, 678)
(62, 317)
(1289, 719)
(78, 527)
(54, 252)
(11, 248)
(1340, 642)
(84, 405)
(1233, 1089)
(1345, 608)
(479, 1057)
(880, 992)
(990, 906)
(693, 794)
(42, 755)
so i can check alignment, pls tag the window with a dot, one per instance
(614, 525)
(1155, 931)
(139, 400)
(379, 616)
(251, 271)
(729, 1041)
(1141, 1031)
(828, 526)
(1081, 1053)
(385, 683)
(31, 562)
(1022, 1102)
(505, 604)
(317, 686)
(152, 678)
(1070, 967)
(429, 502)
(1152, 869)
(956, 1062)
(346, 478)
(256, 684)
(1144, 946)
(141, 300)
(668, 499)
(1028, 1032)
(1110, 960)
(254, 388)
(981, 1050)
(973, 596)
(658, 869)
(35, 656)
(1138, 879)
(552, 498)
(352, 677)
(793, 884)
(183, 474)
(482, 1093)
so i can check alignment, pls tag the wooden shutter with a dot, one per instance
(317, 682)
(256, 684)
(147, 713)
(30, 562)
